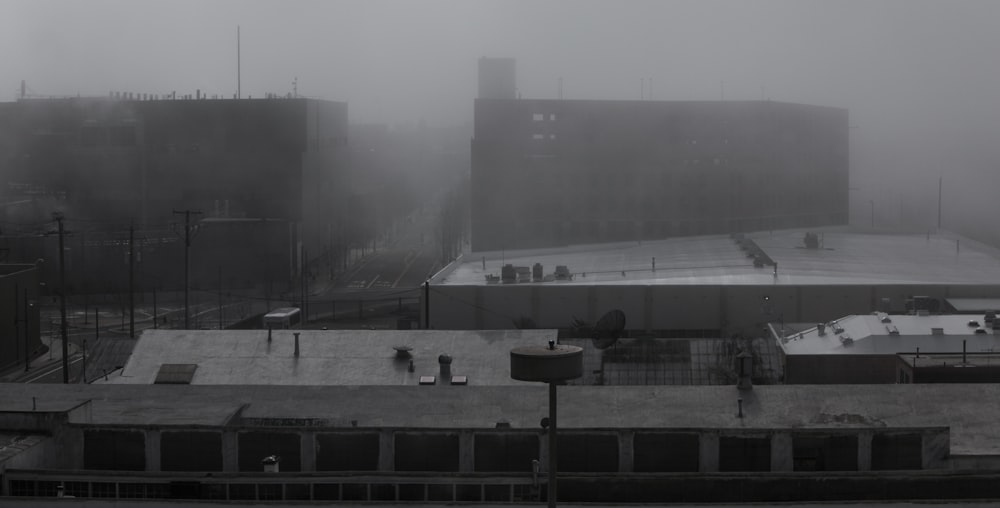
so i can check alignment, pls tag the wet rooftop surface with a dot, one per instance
(327, 357)
(869, 335)
(844, 257)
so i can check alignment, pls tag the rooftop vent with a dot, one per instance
(820, 329)
(444, 362)
(403, 351)
(980, 331)
(836, 327)
(937, 331)
(427, 380)
(973, 323)
(892, 329)
(846, 340)
(459, 380)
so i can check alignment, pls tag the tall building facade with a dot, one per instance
(111, 162)
(550, 173)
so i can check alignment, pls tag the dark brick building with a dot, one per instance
(108, 162)
(557, 172)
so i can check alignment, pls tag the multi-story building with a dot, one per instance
(557, 172)
(115, 161)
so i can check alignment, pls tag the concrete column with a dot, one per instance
(307, 450)
(592, 315)
(230, 451)
(782, 454)
(153, 450)
(935, 446)
(647, 307)
(626, 451)
(480, 305)
(536, 304)
(708, 452)
(543, 451)
(386, 451)
(466, 451)
(865, 450)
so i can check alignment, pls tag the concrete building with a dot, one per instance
(713, 286)
(548, 173)
(106, 162)
(477, 443)
(883, 348)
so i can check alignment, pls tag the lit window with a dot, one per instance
(552, 117)
(538, 136)
(538, 117)
(552, 136)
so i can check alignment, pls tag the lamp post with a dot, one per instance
(552, 364)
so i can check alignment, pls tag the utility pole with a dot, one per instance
(58, 216)
(304, 294)
(27, 356)
(220, 297)
(427, 304)
(131, 280)
(187, 265)
(940, 185)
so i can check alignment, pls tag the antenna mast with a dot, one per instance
(238, 91)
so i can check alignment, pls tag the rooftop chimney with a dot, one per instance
(444, 361)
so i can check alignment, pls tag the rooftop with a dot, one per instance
(958, 406)
(872, 335)
(843, 257)
(327, 357)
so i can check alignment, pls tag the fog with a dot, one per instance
(920, 78)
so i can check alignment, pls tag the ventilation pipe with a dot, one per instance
(444, 361)
(296, 344)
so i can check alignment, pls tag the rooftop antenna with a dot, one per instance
(295, 87)
(238, 91)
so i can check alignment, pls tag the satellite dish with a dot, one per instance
(609, 329)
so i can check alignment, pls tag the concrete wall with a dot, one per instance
(841, 369)
(731, 309)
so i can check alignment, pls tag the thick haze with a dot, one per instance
(921, 79)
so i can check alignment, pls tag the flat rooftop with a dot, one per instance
(965, 408)
(327, 357)
(870, 335)
(844, 257)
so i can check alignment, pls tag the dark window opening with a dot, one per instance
(426, 451)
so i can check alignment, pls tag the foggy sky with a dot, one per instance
(921, 78)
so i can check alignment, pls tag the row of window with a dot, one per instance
(493, 451)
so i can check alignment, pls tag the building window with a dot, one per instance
(538, 117)
(538, 136)
(552, 117)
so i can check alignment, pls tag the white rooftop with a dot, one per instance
(844, 257)
(334, 357)
(869, 335)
